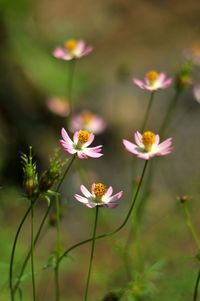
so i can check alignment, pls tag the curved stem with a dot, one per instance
(32, 252)
(38, 232)
(92, 253)
(12, 295)
(134, 198)
(191, 225)
(56, 270)
(146, 116)
(196, 287)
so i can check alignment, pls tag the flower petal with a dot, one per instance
(66, 137)
(93, 152)
(85, 192)
(139, 83)
(131, 147)
(138, 139)
(90, 140)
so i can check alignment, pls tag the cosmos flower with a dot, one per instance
(81, 140)
(72, 49)
(58, 106)
(147, 145)
(196, 92)
(87, 121)
(99, 196)
(153, 81)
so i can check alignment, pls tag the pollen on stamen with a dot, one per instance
(83, 136)
(99, 189)
(70, 44)
(148, 138)
(152, 75)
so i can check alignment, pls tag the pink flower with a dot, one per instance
(79, 145)
(58, 106)
(87, 121)
(147, 146)
(72, 49)
(196, 92)
(153, 81)
(99, 196)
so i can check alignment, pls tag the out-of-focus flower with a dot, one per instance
(81, 140)
(153, 81)
(196, 92)
(30, 182)
(147, 145)
(99, 196)
(87, 121)
(59, 106)
(183, 78)
(72, 49)
(193, 53)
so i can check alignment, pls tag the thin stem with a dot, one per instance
(12, 295)
(191, 225)
(146, 116)
(92, 253)
(38, 233)
(72, 65)
(196, 287)
(56, 270)
(134, 198)
(169, 114)
(32, 252)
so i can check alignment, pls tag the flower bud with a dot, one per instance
(183, 78)
(30, 182)
(49, 176)
(183, 198)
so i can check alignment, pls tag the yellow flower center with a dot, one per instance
(87, 117)
(83, 136)
(148, 139)
(99, 189)
(71, 45)
(152, 76)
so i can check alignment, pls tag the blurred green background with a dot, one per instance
(129, 38)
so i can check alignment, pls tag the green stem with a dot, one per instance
(12, 295)
(92, 253)
(191, 226)
(169, 114)
(36, 237)
(56, 270)
(32, 252)
(134, 198)
(72, 65)
(146, 116)
(196, 287)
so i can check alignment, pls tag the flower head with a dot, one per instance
(153, 81)
(147, 145)
(72, 49)
(100, 195)
(81, 140)
(88, 121)
(58, 106)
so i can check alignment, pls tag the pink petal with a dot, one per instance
(75, 137)
(81, 199)
(81, 155)
(117, 196)
(108, 192)
(139, 83)
(138, 139)
(87, 50)
(90, 140)
(66, 137)
(131, 147)
(167, 83)
(161, 78)
(78, 52)
(85, 192)
(157, 139)
(91, 152)
(61, 53)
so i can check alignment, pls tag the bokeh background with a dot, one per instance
(129, 38)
